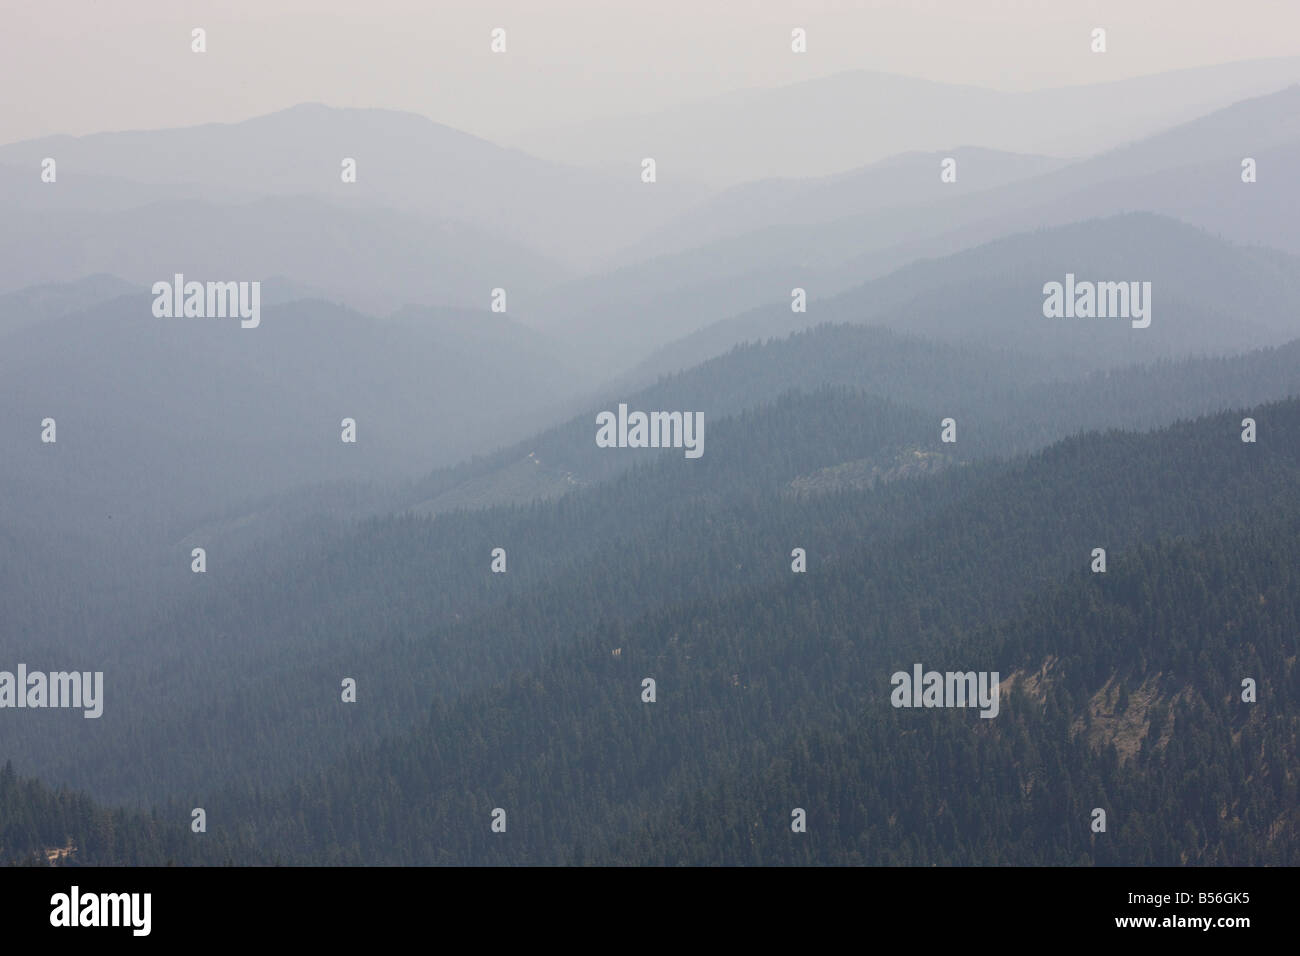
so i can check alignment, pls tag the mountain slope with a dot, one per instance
(1016, 401)
(1191, 173)
(771, 687)
(1122, 692)
(1210, 297)
(577, 759)
(908, 178)
(754, 134)
(403, 162)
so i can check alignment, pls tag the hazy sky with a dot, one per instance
(78, 66)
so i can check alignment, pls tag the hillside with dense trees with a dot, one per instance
(772, 688)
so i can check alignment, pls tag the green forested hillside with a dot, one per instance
(579, 759)
(40, 826)
(1124, 693)
(1122, 690)
(1011, 401)
(409, 608)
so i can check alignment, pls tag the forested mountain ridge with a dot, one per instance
(1125, 694)
(1017, 401)
(983, 566)
(411, 603)
(737, 676)
(585, 757)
